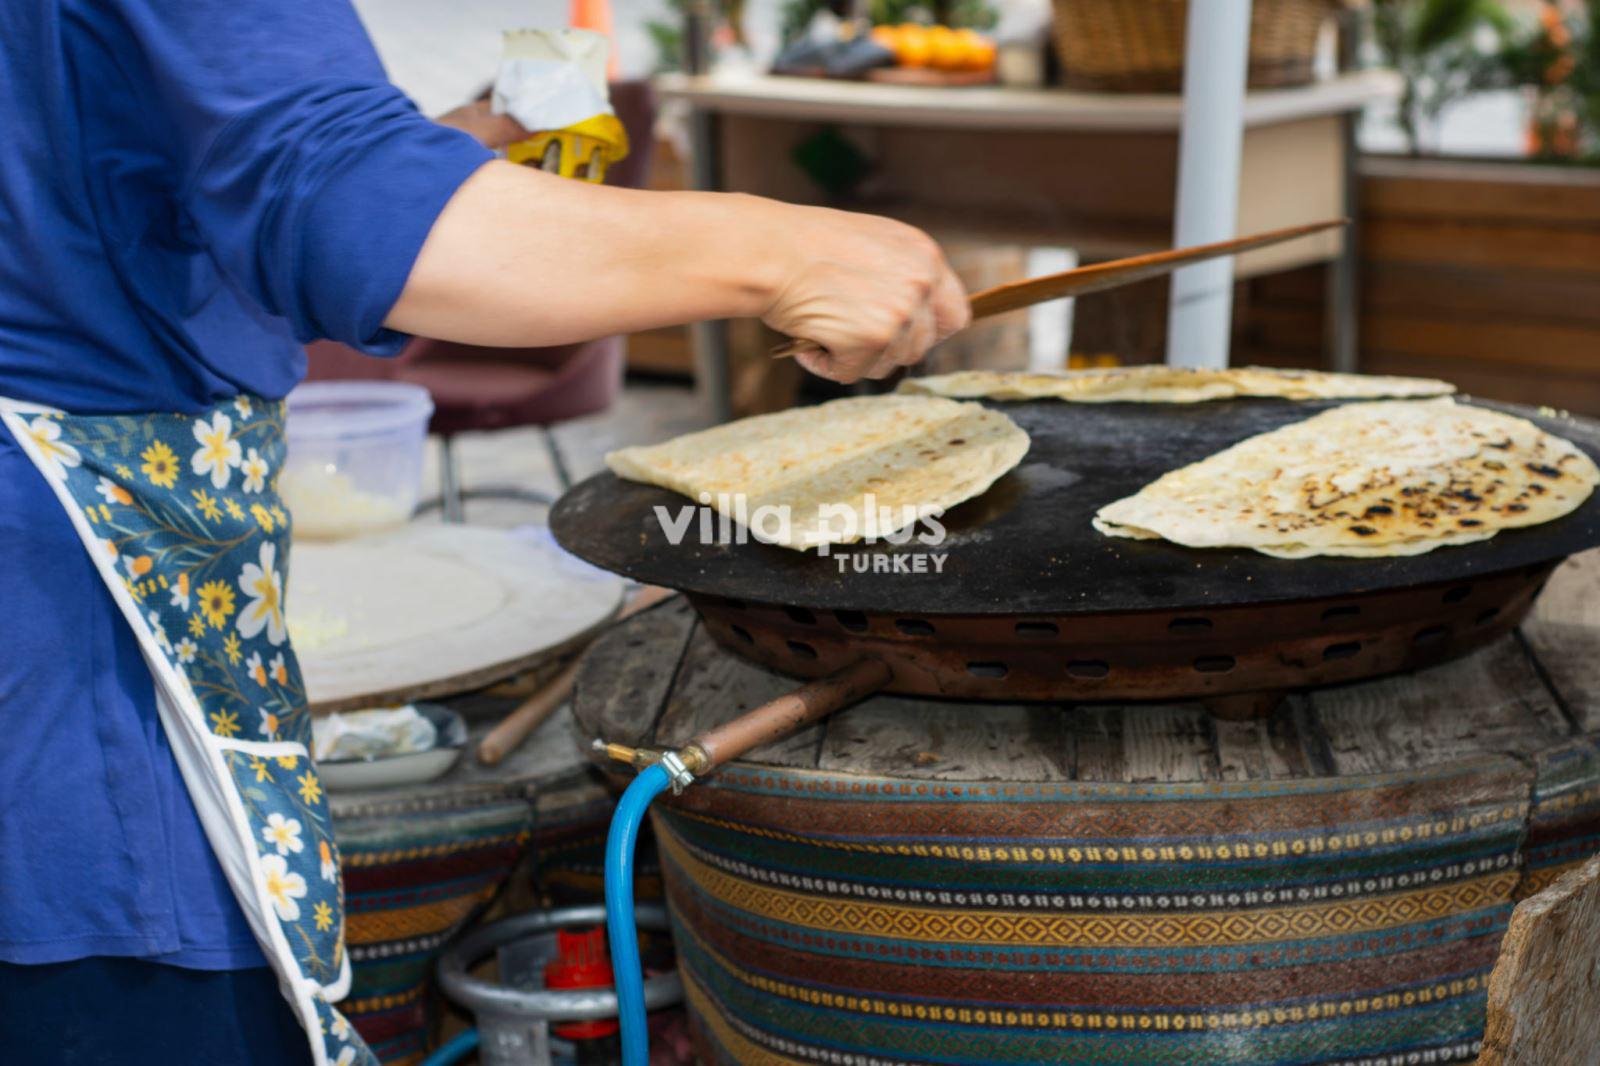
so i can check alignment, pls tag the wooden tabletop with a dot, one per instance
(550, 761)
(1003, 107)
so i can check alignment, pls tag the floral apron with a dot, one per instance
(182, 518)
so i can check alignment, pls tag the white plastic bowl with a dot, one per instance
(354, 461)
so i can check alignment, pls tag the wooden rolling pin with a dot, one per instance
(506, 737)
(1101, 276)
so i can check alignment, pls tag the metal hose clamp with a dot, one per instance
(681, 777)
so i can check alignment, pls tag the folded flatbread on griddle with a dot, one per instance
(879, 458)
(1365, 479)
(1169, 384)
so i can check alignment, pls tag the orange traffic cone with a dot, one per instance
(596, 15)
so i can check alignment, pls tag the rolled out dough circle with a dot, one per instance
(394, 596)
(430, 611)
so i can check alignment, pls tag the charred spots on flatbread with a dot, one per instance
(1166, 384)
(1417, 475)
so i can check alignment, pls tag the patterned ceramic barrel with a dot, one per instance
(858, 919)
(933, 882)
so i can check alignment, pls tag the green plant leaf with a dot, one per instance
(1441, 23)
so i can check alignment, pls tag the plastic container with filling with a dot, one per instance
(354, 462)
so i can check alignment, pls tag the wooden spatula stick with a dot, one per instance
(1102, 276)
(512, 730)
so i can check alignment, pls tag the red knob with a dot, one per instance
(581, 961)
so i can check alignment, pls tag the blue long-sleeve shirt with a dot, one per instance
(189, 189)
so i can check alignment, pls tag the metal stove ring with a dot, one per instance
(1234, 657)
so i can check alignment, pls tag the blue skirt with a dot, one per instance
(129, 1012)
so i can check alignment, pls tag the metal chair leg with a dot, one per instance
(453, 495)
(557, 461)
(450, 482)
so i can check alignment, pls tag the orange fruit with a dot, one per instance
(979, 50)
(887, 36)
(945, 49)
(912, 46)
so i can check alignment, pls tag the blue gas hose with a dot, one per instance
(620, 927)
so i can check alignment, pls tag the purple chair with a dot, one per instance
(476, 388)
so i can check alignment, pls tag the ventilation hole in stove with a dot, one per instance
(1038, 629)
(801, 615)
(1214, 664)
(1189, 626)
(1457, 594)
(1431, 635)
(1088, 668)
(1487, 616)
(854, 621)
(1347, 650)
(802, 649)
(1341, 614)
(914, 627)
(743, 634)
(995, 670)
(732, 604)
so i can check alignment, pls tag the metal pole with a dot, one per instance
(1343, 273)
(709, 340)
(713, 370)
(450, 491)
(1210, 143)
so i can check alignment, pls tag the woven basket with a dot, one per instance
(1136, 46)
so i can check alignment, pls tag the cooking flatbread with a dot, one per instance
(1365, 479)
(844, 470)
(1170, 384)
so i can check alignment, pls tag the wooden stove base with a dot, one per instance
(920, 880)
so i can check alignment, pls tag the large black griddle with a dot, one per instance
(1027, 546)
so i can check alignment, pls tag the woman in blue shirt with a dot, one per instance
(189, 191)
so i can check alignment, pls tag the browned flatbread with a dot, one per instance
(1170, 384)
(1370, 479)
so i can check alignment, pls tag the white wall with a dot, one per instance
(442, 52)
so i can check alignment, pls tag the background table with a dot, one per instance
(1090, 171)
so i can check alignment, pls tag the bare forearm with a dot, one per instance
(521, 258)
